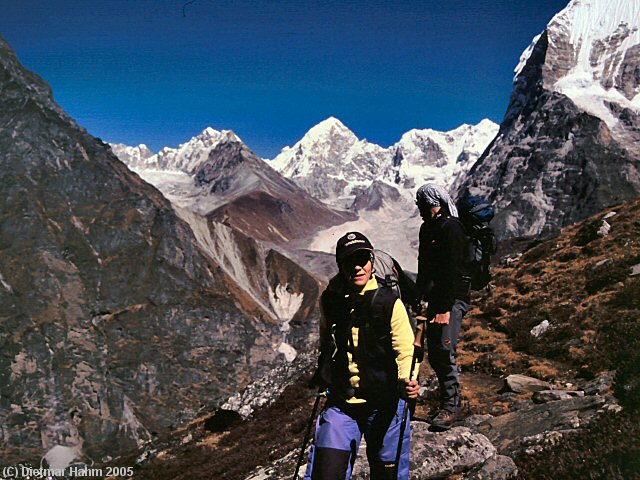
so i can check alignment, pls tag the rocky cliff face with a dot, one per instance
(568, 145)
(115, 327)
(283, 289)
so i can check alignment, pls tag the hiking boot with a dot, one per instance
(445, 419)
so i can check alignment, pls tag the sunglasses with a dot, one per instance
(357, 259)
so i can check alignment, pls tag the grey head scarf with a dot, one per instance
(435, 196)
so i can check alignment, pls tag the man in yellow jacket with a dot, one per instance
(365, 362)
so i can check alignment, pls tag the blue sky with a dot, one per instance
(141, 71)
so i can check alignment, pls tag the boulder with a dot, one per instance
(458, 451)
(437, 455)
(522, 383)
(540, 328)
(473, 421)
(545, 396)
(604, 229)
(599, 385)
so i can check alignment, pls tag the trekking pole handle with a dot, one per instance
(420, 327)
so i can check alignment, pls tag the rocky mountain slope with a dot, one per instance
(249, 219)
(568, 145)
(257, 200)
(286, 292)
(238, 208)
(215, 175)
(115, 325)
(549, 373)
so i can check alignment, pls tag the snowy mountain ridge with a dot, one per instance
(133, 156)
(332, 164)
(186, 158)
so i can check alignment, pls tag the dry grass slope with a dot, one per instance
(581, 283)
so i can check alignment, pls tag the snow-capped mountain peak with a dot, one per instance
(433, 148)
(329, 128)
(324, 146)
(133, 156)
(593, 46)
(331, 163)
(207, 138)
(186, 158)
(213, 135)
(433, 156)
(569, 143)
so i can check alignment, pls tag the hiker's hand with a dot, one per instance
(422, 307)
(442, 318)
(411, 389)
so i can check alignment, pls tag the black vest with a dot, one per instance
(374, 355)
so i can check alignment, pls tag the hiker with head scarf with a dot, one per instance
(444, 281)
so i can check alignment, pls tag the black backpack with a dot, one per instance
(475, 214)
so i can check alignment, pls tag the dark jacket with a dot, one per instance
(444, 263)
(372, 313)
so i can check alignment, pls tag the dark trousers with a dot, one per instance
(442, 347)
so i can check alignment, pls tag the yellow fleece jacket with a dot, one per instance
(401, 340)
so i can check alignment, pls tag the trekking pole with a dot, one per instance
(308, 433)
(417, 352)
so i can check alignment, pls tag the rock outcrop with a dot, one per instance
(439, 455)
(375, 196)
(514, 432)
(523, 383)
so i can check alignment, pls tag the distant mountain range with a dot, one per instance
(368, 186)
(332, 164)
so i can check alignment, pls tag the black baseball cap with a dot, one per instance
(351, 242)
